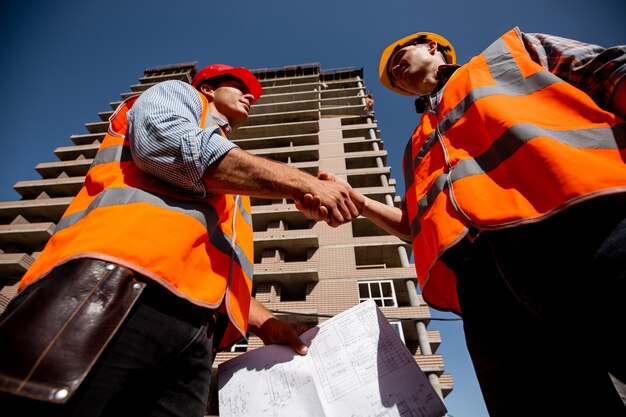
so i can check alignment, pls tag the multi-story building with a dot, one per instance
(308, 118)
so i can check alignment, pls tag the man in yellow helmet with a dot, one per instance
(515, 206)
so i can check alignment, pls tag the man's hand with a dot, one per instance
(272, 330)
(314, 208)
(283, 332)
(331, 200)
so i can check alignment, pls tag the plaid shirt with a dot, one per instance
(591, 68)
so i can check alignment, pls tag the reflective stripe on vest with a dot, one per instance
(199, 248)
(500, 115)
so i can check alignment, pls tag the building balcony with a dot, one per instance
(75, 168)
(267, 103)
(346, 83)
(305, 115)
(446, 382)
(292, 154)
(367, 177)
(286, 89)
(343, 110)
(30, 236)
(431, 363)
(264, 215)
(361, 144)
(43, 209)
(286, 274)
(283, 81)
(157, 78)
(407, 314)
(373, 272)
(380, 193)
(70, 153)
(353, 93)
(277, 141)
(295, 243)
(14, 265)
(87, 139)
(97, 127)
(278, 129)
(290, 107)
(365, 159)
(105, 115)
(128, 94)
(56, 187)
(378, 252)
(358, 129)
(139, 88)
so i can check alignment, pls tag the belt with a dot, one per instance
(161, 299)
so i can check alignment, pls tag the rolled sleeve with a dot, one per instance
(166, 139)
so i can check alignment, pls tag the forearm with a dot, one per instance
(239, 172)
(259, 314)
(391, 219)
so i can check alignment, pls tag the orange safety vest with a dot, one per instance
(201, 249)
(509, 144)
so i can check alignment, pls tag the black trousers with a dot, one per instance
(544, 308)
(157, 364)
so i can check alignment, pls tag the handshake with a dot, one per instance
(332, 200)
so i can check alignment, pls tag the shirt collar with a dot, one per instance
(223, 124)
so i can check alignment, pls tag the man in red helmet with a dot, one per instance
(149, 271)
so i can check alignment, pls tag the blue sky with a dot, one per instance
(64, 61)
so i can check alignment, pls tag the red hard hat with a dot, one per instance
(215, 70)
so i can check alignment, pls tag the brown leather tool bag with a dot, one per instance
(53, 332)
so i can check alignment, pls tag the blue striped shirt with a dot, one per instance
(166, 140)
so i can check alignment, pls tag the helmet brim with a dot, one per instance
(251, 82)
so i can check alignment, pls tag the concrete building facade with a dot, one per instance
(309, 118)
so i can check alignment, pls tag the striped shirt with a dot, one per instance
(166, 140)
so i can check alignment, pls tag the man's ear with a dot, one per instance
(432, 47)
(208, 91)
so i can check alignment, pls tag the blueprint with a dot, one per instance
(357, 366)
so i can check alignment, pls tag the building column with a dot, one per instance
(434, 381)
(404, 257)
(420, 326)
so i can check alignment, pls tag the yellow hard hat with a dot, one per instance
(383, 68)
